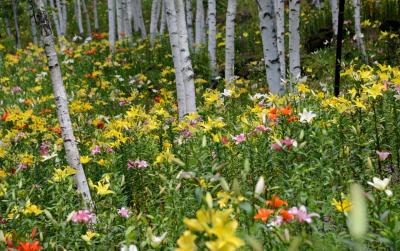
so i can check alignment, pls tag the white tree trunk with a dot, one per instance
(187, 68)
(163, 21)
(200, 25)
(127, 18)
(56, 18)
(111, 24)
(268, 35)
(87, 17)
(7, 26)
(294, 40)
(230, 41)
(33, 26)
(357, 28)
(79, 16)
(120, 19)
(137, 5)
(16, 25)
(95, 16)
(189, 21)
(335, 15)
(280, 34)
(64, 17)
(60, 95)
(171, 17)
(155, 15)
(212, 40)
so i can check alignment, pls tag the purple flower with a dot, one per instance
(137, 164)
(383, 155)
(289, 142)
(302, 215)
(44, 148)
(276, 222)
(276, 147)
(186, 133)
(261, 128)
(96, 150)
(123, 212)
(239, 138)
(82, 216)
(16, 89)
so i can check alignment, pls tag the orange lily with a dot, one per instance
(263, 214)
(276, 202)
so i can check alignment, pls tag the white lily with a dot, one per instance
(156, 240)
(260, 186)
(381, 185)
(307, 116)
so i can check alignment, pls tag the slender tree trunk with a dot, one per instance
(138, 8)
(79, 16)
(335, 13)
(64, 19)
(189, 21)
(111, 24)
(120, 20)
(163, 21)
(130, 16)
(56, 19)
(16, 25)
(187, 68)
(212, 40)
(87, 17)
(230, 41)
(294, 40)
(357, 27)
(155, 15)
(268, 35)
(33, 26)
(60, 95)
(95, 16)
(127, 19)
(200, 25)
(171, 17)
(280, 34)
(7, 26)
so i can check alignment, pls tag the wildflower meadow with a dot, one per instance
(137, 134)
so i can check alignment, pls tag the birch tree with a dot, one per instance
(268, 36)
(155, 15)
(56, 19)
(78, 13)
(335, 13)
(163, 21)
(230, 41)
(280, 34)
(16, 25)
(127, 18)
(171, 17)
(111, 23)
(294, 40)
(63, 22)
(120, 19)
(7, 25)
(189, 21)
(187, 68)
(200, 25)
(33, 25)
(87, 17)
(137, 12)
(357, 27)
(212, 40)
(95, 16)
(60, 95)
